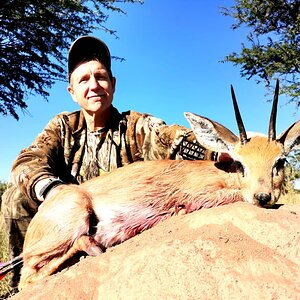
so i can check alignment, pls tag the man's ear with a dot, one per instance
(71, 92)
(113, 83)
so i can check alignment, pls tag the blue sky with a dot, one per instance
(173, 51)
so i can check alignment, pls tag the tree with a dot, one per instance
(273, 49)
(34, 35)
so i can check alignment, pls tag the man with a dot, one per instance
(77, 146)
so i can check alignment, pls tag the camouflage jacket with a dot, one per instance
(60, 150)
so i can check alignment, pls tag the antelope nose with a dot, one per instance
(263, 198)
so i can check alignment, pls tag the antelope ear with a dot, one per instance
(212, 135)
(290, 138)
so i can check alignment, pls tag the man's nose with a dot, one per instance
(94, 83)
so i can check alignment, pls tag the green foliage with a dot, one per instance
(5, 289)
(272, 50)
(292, 171)
(3, 187)
(294, 164)
(34, 37)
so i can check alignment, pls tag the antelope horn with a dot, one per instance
(243, 134)
(272, 123)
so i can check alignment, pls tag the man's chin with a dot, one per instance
(97, 108)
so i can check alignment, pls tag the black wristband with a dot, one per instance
(50, 185)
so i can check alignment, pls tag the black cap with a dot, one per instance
(85, 48)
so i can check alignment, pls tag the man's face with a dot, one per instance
(91, 87)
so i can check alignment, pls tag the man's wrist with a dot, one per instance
(44, 186)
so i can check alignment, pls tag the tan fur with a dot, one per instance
(134, 198)
(259, 170)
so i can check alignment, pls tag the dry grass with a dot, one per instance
(290, 198)
(290, 195)
(5, 290)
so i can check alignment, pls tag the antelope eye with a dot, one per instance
(279, 165)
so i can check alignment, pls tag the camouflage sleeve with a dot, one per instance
(156, 140)
(40, 160)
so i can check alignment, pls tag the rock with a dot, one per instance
(237, 251)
